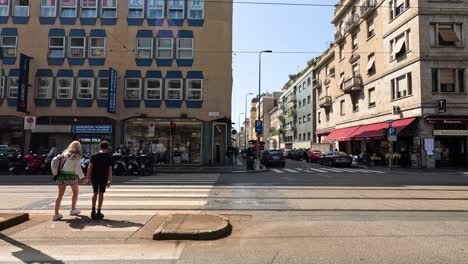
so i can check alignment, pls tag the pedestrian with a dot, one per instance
(99, 174)
(68, 172)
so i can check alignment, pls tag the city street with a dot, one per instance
(291, 215)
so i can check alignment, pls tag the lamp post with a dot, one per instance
(245, 141)
(240, 129)
(259, 92)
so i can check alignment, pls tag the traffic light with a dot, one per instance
(173, 126)
(385, 132)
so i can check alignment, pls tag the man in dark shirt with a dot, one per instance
(100, 175)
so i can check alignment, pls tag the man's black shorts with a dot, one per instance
(99, 188)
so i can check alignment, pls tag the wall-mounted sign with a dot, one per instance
(450, 132)
(23, 84)
(92, 129)
(112, 100)
(213, 114)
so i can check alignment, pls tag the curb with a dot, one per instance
(222, 231)
(13, 220)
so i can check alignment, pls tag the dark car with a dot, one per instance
(314, 156)
(336, 158)
(271, 158)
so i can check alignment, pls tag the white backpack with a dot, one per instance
(57, 164)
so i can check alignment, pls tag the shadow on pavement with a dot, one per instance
(80, 222)
(29, 254)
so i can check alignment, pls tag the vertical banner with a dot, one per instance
(112, 94)
(23, 83)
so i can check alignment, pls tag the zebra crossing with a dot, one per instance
(323, 170)
(176, 179)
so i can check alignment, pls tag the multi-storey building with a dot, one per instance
(305, 126)
(266, 103)
(288, 110)
(253, 116)
(166, 74)
(401, 61)
(275, 129)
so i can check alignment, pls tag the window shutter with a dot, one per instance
(447, 76)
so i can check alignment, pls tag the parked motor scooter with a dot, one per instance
(133, 167)
(146, 162)
(119, 167)
(85, 163)
(17, 164)
(36, 164)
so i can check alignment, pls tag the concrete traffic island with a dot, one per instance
(10, 220)
(193, 227)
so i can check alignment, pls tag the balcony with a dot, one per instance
(316, 83)
(367, 7)
(339, 36)
(338, 5)
(325, 101)
(352, 85)
(352, 22)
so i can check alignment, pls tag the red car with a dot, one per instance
(313, 155)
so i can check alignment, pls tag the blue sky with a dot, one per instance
(278, 28)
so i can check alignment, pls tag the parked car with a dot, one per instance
(336, 158)
(314, 156)
(271, 158)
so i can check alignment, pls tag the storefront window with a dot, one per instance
(154, 135)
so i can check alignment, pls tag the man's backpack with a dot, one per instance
(57, 165)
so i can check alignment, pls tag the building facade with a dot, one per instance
(266, 103)
(404, 67)
(305, 126)
(161, 77)
(275, 132)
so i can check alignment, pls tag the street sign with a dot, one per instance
(392, 138)
(392, 131)
(29, 122)
(258, 126)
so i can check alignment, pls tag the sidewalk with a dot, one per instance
(416, 170)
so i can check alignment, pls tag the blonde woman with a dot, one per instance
(69, 173)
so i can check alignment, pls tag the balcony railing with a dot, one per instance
(317, 83)
(352, 22)
(325, 101)
(339, 36)
(353, 84)
(367, 7)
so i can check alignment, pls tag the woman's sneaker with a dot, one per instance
(75, 212)
(57, 217)
(99, 216)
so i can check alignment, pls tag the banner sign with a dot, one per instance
(91, 129)
(112, 93)
(23, 83)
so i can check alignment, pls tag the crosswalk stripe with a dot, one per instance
(152, 195)
(317, 170)
(146, 190)
(332, 170)
(142, 203)
(277, 171)
(290, 170)
(372, 171)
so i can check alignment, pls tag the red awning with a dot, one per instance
(376, 130)
(342, 134)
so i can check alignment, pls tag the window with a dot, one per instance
(9, 44)
(309, 117)
(401, 86)
(400, 45)
(356, 70)
(194, 89)
(2, 87)
(21, 8)
(44, 88)
(48, 8)
(308, 136)
(304, 120)
(12, 91)
(88, 8)
(397, 7)
(303, 102)
(174, 89)
(153, 89)
(85, 88)
(4, 8)
(443, 34)
(370, 28)
(196, 9)
(319, 117)
(300, 120)
(68, 8)
(136, 9)
(342, 107)
(185, 48)
(109, 9)
(164, 46)
(155, 9)
(300, 137)
(77, 47)
(56, 47)
(64, 88)
(371, 97)
(175, 9)
(371, 64)
(327, 116)
(355, 103)
(340, 54)
(97, 47)
(354, 41)
(300, 103)
(308, 81)
(103, 88)
(309, 99)
(448, 80)
(332, 71)
(144, 48)
(132, 88)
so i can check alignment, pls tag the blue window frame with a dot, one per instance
(4, 8)
(68, 8)
(21, 8)
(109, 9)
(196, 9)
(49, 8)
(136, 9)
(156, 9)
(88, 8)
(176, 9)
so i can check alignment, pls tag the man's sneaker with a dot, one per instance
(75, 212)
(57, 217)
(99, 216)
(93, 215)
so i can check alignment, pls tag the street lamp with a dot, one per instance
(259, 92)
(245, 145)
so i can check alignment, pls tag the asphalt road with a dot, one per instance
(301, 214)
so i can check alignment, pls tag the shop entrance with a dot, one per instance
(450, 151)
